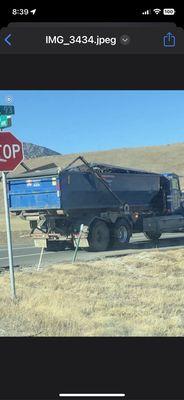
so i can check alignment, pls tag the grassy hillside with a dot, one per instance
(153, 158)
(166, 158)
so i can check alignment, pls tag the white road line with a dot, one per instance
(17, 248)
(91, 394)
(26, 255)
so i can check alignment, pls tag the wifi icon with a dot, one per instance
(157, 11)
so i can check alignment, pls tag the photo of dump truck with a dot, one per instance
(112, 202)
(96, 215)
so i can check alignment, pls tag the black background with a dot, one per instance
(92, 72)
(41, 368)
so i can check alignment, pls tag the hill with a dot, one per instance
(166, 158)
(32, 151)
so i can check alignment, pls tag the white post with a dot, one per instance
(9, 237)
(77, 244)
(40, 259)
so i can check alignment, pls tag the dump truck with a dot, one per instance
(111, 202)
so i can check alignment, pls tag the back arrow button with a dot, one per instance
(6, 39)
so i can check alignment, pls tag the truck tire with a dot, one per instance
(99, 236)
(152, 235)
(121, 232)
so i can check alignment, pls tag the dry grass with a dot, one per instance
(137, 295)
(19, 227)
(17, 224)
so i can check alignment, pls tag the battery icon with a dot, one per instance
(169, 11)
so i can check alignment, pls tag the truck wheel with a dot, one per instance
(99, 236)
(121, 232)
(152, 235)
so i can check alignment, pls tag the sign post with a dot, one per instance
(11, 155)
(9, 236)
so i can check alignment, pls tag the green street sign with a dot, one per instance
(7, 110)
(5, 121)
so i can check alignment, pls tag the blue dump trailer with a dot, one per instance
(112, 202)
(35, 191)
(79, 189)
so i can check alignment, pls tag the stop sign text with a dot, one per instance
(11, 151)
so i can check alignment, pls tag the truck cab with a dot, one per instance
(173, 192)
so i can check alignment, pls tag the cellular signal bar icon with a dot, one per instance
(147, 12)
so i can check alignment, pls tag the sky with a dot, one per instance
(78, 121)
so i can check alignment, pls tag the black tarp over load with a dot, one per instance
(82, 188)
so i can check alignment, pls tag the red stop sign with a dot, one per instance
(11, 151)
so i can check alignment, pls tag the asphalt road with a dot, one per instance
(28, 254)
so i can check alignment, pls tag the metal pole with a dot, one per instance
(9, 237)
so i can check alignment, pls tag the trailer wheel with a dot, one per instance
(99, 236)
(121, 232)
(152, 235)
